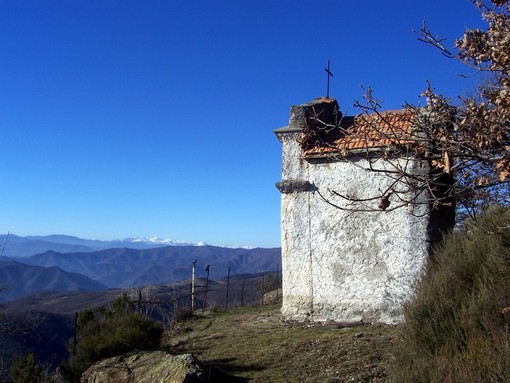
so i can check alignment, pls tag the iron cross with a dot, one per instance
(328, 71)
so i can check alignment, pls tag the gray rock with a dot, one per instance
(146, 366)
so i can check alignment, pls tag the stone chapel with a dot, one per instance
(350, 259)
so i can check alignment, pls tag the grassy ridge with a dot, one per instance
(255, 345)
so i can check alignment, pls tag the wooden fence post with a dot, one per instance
(193, 287)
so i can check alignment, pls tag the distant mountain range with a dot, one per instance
(126, 268)
(19, 247)
(19, 279)
(66, 263)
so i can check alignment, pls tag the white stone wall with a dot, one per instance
(346, 266)
(297, 275)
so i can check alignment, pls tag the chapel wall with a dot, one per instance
(364, 263)
(339, 265)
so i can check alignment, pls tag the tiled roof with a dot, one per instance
(368, 133)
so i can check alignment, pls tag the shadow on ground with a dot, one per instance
(226, 370)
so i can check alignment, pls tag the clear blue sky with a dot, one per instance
(154, 118)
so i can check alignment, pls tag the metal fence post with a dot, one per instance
(277, 283)
(242, 294)
(204, 304)
(228, 287)
(262, 290)
(75, 340)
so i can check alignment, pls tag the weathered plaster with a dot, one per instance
(343, 265)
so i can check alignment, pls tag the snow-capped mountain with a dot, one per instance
(160, 241)
(20, 247)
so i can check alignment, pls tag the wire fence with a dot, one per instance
(167, 304)
(234, 291)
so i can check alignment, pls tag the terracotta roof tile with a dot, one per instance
(369, 132)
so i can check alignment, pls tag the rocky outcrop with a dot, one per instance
(146, 366)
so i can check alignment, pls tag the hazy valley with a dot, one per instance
(43, 291)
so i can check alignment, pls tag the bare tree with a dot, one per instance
(466, 147)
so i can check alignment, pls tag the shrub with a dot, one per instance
(25, 370)
(182, 314)
(269, 283)
(104, 333)
(456, 328)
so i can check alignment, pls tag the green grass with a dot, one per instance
(255, 345)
